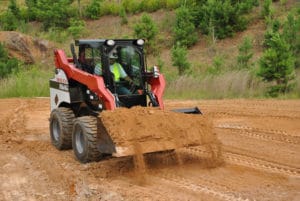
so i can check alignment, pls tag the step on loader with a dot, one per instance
(105, 102)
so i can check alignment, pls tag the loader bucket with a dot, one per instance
(140, 130)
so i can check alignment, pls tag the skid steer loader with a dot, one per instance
(79, 97)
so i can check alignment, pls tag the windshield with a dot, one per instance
(131, 60)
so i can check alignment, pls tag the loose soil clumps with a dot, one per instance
(152, 129)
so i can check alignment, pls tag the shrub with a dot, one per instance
(93, 9)
(146, 29)
(151, 5)
(123, 16)
(274, 27)
(172, 4)
(32, 9)
(76, 27)
(222, 18)
(53, 13)
(14, 9)
(216, 68)
(131, 6)
(110, 8)
(266, 9)
(245, 53)
(184, 29)
(8, 21)
(247, 5)
(7, 65)
(179, 59)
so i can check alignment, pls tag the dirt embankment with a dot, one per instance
(26, 48)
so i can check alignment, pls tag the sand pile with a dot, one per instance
(152, 129)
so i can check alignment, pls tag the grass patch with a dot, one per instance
(26, 83)
(234, 84)
(34, 82)
(230, 84)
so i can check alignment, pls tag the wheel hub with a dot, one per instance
(79, 140)
(55, 130)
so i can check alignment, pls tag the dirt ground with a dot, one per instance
(260, 158)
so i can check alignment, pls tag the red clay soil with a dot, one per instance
(260, 141)
(154, 129)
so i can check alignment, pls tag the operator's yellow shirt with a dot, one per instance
(116, 69)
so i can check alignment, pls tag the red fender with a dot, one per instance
(93, 82)
(158, 87)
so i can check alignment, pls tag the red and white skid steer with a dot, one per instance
(78, 95)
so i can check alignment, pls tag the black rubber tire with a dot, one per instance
(61, 125)
(85, 139)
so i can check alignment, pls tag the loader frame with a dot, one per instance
(99, 86)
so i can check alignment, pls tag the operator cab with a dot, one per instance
(95, 57)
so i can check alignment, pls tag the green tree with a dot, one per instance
(291, 34)
(247, 5)
(267, 9)
(76, 27)
(273, 27)
(147, 29)
(79, 8)
(54, 13)
(10, 19)
(277, 65)
(184, 29)
(8, 22)
(93, 10)
(179, 59)
(218, 17)
(31, 9)
(13, 7)
(245, 53)
(123, 16)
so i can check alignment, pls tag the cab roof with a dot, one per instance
(95, 43)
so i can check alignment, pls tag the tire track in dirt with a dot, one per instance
(121, 172)
(13, 124)
(211, 188)
(252, 114)
(259, 133)
(285, 105)
(252, 110)
(264, 165)
(286, 109)
(250, 161)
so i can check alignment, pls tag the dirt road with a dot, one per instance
(260, 153)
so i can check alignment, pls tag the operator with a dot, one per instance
(118, 72)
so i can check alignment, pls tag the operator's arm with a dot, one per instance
(124, 75)
(98, 69)
(128, 79)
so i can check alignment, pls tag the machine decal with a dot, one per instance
(59, 86)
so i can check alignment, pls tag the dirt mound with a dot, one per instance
(152, 129)
(25, 48)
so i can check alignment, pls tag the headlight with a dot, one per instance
(140, 42)
(110, 42)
